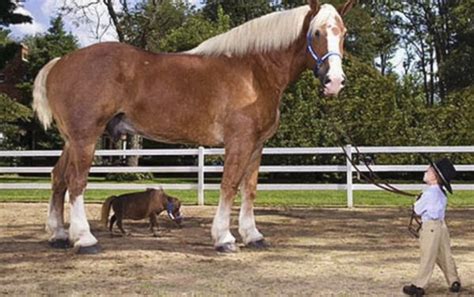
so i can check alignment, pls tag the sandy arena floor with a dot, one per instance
(317, 252)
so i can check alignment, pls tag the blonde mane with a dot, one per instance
(273, 31)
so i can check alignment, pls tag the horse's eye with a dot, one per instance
(317, 34)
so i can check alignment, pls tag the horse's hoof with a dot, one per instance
(259, 244)
(59, 244)
(227, 248)
(88, 250)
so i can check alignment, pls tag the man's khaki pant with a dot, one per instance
(435, 247)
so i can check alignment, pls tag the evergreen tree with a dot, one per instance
(8, 16)
(13, 117)
(55, 43)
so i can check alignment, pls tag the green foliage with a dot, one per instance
(7, 52)
(455, 118)
(170, 26)
(458, 68)
(195, 30)
(238, 11)
(379, 34)
(373, 110)
(8, 48)
(43, 48)
(150, 21)
(8, 16)
(12, 114)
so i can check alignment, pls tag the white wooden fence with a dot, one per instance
(202, 168)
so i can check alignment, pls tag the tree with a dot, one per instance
(8, 48)
(8, 16)
(194, 30)
(457, 71)
(55, 43)
(42, 48)
(239, 11)
(149, 22)
(438, 33)
(372, 110)
(12, 115)
(378, 33)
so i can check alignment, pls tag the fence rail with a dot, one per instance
(202, 168)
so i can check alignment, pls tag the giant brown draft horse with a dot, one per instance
(225, 92)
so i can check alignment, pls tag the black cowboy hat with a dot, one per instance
(445, 170)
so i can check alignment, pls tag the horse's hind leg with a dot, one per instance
(81, 154)
(112, 222)
(119, 225)
(247, 228)
(55, 222)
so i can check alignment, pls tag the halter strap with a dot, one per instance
(169, 210)
(319, 61)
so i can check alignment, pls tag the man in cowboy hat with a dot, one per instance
(435, 244)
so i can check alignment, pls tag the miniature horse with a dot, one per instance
(225, 92)
(140, 205)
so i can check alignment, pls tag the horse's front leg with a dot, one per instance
(154, 224)
(247, 228)
(237, 157)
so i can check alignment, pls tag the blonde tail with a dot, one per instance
(40, 99)
(106, 210)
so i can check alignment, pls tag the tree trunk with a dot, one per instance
(135, 143)
(113, 16)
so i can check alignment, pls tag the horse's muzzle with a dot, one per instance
(332, 86)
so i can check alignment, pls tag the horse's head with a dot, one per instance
(325, 42)
(173, 208)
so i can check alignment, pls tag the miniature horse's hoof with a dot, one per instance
(227, 248)
(258, 245)
(59, 244)
(88, 250)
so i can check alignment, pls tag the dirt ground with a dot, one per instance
(318, 252)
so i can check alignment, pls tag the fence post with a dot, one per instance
(350, 201)
(201, 176)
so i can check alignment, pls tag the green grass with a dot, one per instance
(264, 198)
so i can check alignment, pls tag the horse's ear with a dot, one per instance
(344, 9)
(314, 5)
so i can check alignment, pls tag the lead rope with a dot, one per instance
(415, 221)
(374, 179)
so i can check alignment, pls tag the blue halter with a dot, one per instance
(169, 210)
(319, 61)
